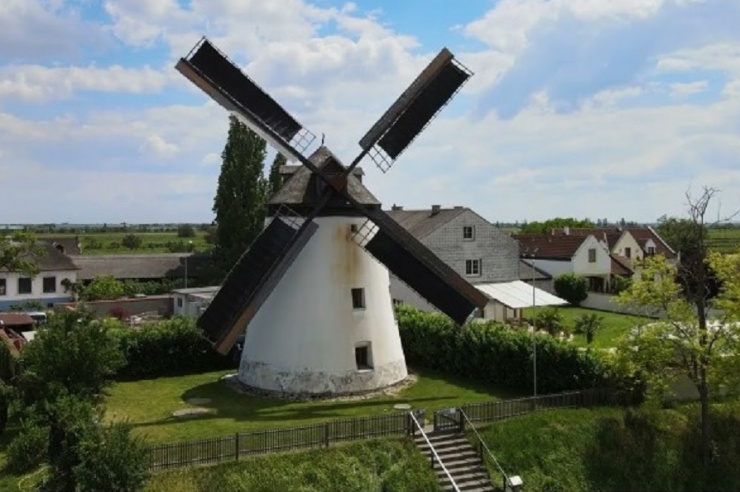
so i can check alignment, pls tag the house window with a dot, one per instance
(592, 255)
(50, 284)
(24, 285)
(3, 287)
(628, 252)
(469, 233)
(473, 267)
(179, 302)
(651, 250)
(363, 356)
(358, 298)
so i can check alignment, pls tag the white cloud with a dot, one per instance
(160, 147)
(682, 89)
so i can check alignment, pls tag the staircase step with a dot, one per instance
(461, 460)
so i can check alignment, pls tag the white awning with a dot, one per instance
(518, 294)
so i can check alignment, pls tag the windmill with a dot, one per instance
(312, 291)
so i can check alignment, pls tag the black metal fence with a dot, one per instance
(238, 445)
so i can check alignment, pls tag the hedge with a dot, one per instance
(495, 354)
(168, 348)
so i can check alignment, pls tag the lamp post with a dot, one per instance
(187, 253)
(533, 255)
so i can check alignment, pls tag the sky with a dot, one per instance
(584, 108)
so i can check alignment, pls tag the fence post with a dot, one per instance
(236, 445)
(461, 419)
(326, 434)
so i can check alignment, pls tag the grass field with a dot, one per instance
(104, 243)
(149, 404)
(725, 240)
(615, 325)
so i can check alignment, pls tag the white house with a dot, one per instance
(46, 287)
(193, 301)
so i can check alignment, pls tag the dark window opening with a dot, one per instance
(50, 284)
(358, 298)
(362, 357)
(468, 232)
(353, 228)
(592, 255)
(628, 252)
(3, 287)
(179, 302)
(24, 285)
(472, 267)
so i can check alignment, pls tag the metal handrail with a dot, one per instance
(480, 439)
(434, 452)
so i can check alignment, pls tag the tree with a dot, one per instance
(103, 287)
(571, 287)
(185, 230)
(557, 223)
(239, 204)
(589, 324)
(550, 320)
(275, 179)
(73, 355)
(131, 241)
(21, 253)
(686, 340)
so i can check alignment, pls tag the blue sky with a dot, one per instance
(586, 108)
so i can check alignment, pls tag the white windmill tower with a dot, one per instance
(312, 291)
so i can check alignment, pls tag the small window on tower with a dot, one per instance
(353, 228)
(358, 298)
(363, 356)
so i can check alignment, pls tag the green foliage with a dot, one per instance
(167, 348)
(239, 204)
(619, 284)
(571, 287)
(111, 459)
(131, 241)
(149, 288)
(495, 354)
(589, 325)
(72, 354)
(390, 466)
(29, 448)
(20, 252)
(30, 305)
(103, 287)
(185, 230)
(274, 180)
(614, 450)
(547, 226)
(548, 319)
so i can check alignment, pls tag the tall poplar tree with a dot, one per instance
(274, 179)
(239, 204)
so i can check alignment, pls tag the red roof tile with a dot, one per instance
(16, 319)
(547, 246)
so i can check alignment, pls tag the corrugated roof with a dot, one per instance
(421, 223)
(518, 295)
(547, 246)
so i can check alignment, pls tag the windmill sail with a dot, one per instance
(413, 263)
(252, 280)
(221, 79)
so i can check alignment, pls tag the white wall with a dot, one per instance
(551, 267)
(37, 291)
(581, 266)
(627, 240)
(303, 338)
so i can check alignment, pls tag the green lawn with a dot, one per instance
(104, 243)
(149, 404)
(615, 325)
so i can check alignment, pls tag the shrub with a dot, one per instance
(185, 230)
(131, 241)
(548, 319)
(28, 449)
(103, 287)
(168, 348)
(589, 324)
(620, 284)
(571, 287)
(495, 354)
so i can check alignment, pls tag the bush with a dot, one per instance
(185, 230)
(620, 284)
(495, 354)
(28, 450)
(112, 459)
(548, 319)
(131, 241)
(103, 287)
(571, 287)
(168, 348)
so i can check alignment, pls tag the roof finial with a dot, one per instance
(322, 139)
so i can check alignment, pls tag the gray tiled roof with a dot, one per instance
(421, 223)
(149, 266)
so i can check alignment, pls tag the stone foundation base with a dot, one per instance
(266, 377)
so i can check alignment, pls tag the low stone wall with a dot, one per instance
(162, 305)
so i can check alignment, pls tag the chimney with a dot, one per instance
(566, 230)
(458, 207)
(396, 207)
(435, 209)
